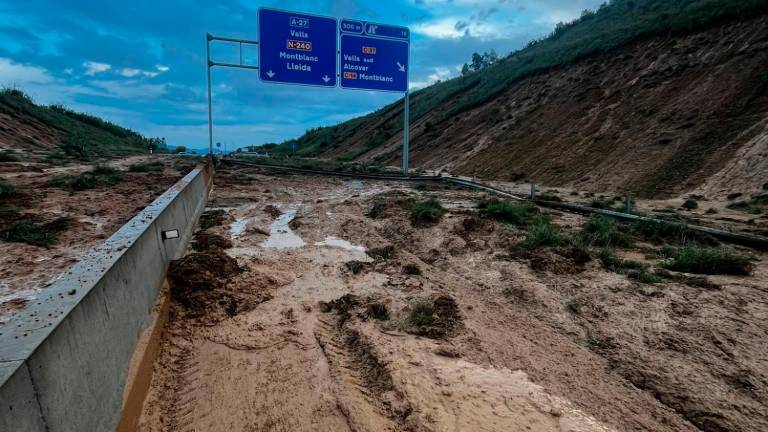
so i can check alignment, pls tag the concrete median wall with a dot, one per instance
(64, 359)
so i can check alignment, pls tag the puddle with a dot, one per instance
(237, 228)
(280, 234)
(354, 184)
(339, 243)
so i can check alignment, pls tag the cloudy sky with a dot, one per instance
(141, 63)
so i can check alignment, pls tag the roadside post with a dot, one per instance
(303, 49)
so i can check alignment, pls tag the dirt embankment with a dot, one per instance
(355, 319)
(659, 117)
(45, 225)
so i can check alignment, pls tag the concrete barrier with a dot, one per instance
(64, 359)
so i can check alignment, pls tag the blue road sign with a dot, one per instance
(296, 48)
(374, 63)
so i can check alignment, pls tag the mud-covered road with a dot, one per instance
(318, 323)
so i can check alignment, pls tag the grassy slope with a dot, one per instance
(613, 25)
(80, 136)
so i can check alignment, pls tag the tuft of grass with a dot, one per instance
(6, 189)
(33, 233)
(658, 232)
(707, 261)
(100, 175)
(422, 313)
(544, 233)
(427, 212)
(610, 261)
(602, 231)
(635, 270)
(504, 211)
(644, 276)
(690, 204)
(146, 167)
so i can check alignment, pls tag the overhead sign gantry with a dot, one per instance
(304, 49)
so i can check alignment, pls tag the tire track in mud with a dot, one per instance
(364, 387)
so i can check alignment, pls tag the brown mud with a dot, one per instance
(77, 219)
(339, 332)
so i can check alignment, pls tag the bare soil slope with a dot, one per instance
(658, 117)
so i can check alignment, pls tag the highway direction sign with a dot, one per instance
(374, 56)
(296, 48)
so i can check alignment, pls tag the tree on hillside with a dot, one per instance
(181, 149)
(480, 62)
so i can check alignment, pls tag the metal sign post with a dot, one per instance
(210, 64)
(303, 49)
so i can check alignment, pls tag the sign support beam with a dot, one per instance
(406, 113)
(211, 64)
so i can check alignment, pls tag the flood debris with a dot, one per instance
(272, 211)
(434, 318)
(205, 241)
(198, 273)
(212, 218)
(355, 266)
(382, 252)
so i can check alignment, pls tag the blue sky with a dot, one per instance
(141, 63)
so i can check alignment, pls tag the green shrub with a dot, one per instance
(544, 233)
(707, 261)
(8, 156)
(508, 212)
(644, 276)
(6, 189)
(690, 204)
(603, 231)
(99, 175)
(156, 166)
(422, 313)
(610, 261)
(427, 212)
(657, 231)
(33, 233)
(82, 182)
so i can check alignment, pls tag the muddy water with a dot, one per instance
(281, 236)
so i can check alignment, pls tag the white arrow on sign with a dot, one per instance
(326, 79)
(401, 67)
(270, 73)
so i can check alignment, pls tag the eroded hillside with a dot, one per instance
(661, 116)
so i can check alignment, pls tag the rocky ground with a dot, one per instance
(313, 303)
(74, 220)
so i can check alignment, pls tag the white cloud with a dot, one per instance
(128, 72)
(130, 89)
(454, 28)
(439, 73)
(131, 72)
(92, 68)
(16, 74)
